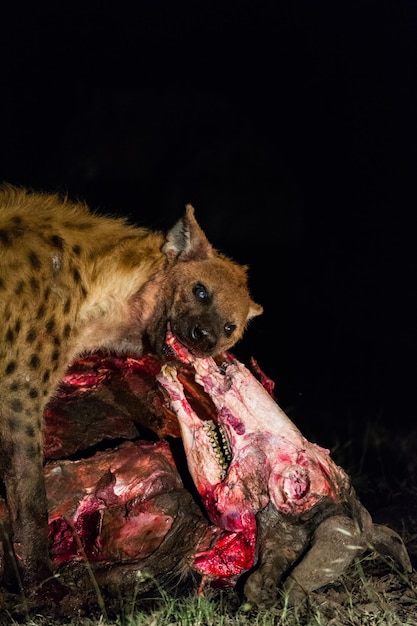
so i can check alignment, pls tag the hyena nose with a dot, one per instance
(203, 338)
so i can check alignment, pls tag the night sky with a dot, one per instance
(291, 127)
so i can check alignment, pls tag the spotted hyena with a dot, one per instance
(71, 282)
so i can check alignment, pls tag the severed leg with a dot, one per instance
(280, 542)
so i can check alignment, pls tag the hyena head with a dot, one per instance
(209, 304)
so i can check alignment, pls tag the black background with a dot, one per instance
(291, 128)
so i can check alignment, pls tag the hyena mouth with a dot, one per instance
(220, 445)
(173, 347)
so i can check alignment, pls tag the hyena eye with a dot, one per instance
(228, 329)
(200, 291)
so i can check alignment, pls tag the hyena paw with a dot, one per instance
(44, 587)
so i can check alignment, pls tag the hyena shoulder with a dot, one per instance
(66, 274)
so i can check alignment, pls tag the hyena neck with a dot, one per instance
(145, 327)
(125, 301)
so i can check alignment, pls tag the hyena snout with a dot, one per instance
(200, 334)
(203, 337)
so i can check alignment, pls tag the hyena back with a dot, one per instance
(71, 282)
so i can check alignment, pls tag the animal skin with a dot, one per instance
(73, 282)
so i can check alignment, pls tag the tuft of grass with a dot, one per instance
(363, 597)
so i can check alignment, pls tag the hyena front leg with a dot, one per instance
(26, 500)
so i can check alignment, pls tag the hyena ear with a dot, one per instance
(186, 241)
(254, 310)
